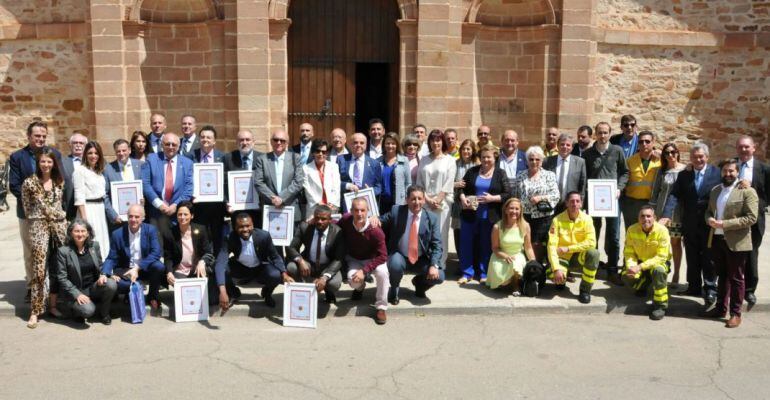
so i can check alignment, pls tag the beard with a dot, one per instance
(728, 180)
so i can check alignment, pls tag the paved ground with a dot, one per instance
(478, 356)
(448, 298)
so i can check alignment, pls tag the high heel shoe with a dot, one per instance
(32, 323)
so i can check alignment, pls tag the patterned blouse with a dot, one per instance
(39, 204)
(542, 184)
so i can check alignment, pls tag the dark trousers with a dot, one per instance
(611, 241)
(752, 271)
(266, 274)
(212, 216)
(103, 294)
(701, 276)
(153, 275)
(730, 266)
(163, 223)
(398, 264)
(332, 285)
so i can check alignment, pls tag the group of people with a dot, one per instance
(518, 217)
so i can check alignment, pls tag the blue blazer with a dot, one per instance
(120, 249)
(394, 225)
(372, 173)
(153, 172)
(521, 160)
(694, 202)
(22, 165)
(112, 174)
(263, 247)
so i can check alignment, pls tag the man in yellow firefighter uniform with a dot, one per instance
(646, 254)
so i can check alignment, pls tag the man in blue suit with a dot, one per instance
(124, 168)
(135, 254)
(511, 160)
(692, 189)
(414, 241)
(358, 170)
(166, 181)
(22, 165)
(210, 215)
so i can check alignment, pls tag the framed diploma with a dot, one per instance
(241, 190)
(208, 183)
(191, 300)
(124, 194)
(367, 193)
(300, 305)
(279, 223)
(602, 201)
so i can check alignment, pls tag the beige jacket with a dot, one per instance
(740, 214)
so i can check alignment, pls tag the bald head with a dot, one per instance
(357, 144)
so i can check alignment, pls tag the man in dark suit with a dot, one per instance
(210, 215)
(124, 168)
(414, 242)
(691, 189)
(157, 129)
(244, 158)
(321, 259)
(22, 165)
(570, 171)
(135, 252)
(77, 144)
(302, 148)
(279, 175)
(253, 258)
(357, 170)
(190, 141)
(756, 174)
(167, 180)
(511, 160)
(584, 140)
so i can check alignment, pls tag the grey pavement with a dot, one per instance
(448, 298)
(432, 357)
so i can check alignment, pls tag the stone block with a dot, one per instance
(740, 40)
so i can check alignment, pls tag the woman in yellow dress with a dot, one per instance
(511, 248)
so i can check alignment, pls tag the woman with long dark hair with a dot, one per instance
(669, 170)
(140, 149)
(90, 191)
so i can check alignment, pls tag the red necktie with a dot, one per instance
(413, 239)
(169, 185)
(323, 190)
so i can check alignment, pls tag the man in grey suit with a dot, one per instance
(570, 170)
(77, 146)
(190, 141)
(278, 175)
(124, 168)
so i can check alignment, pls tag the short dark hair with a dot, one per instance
(647, 207)
(322, 208)
(646, 133)
(187, 204)
(147, 148)
(208, 128)
(318, 143)
(79, 221)
(414, 188)
(727, 161)
(572, 193)
(587, 129)
(419, 126)
(607, 124)
(243, 215)
(36, 124)
(120, 141)
(626, 119)
(436, 133)
(376, 121)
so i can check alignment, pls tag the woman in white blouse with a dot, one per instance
(436, 174)
(90, 190)
(322, 179)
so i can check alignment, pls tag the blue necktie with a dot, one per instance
(246, 163)
(744, 166)
(698, 180)
(356, 174)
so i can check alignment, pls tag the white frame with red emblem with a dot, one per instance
(191, 300)
(279, 223)
(300, 305)
(602, 198)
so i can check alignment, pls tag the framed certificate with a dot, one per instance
(191, 300)
(208, 183)
(367, 193)
(602, 201)
(300, 305)
(124, 194)
(279, 223)
(241, 190)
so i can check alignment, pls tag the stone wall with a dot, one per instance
(43, 11)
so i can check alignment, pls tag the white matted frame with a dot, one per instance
(208, 182)
(279, 223)
(191, 300)
(368, 194)
(300, 305)
(124, 194)
(241, 190)
(602, 198)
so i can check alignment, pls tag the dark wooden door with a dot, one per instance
(327, 39)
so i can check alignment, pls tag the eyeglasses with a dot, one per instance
(279, 140)
(645, 141)
(411, 145)
(631, 125)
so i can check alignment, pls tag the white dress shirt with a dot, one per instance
(76, 160)
(746, 172)
(314, 245)
(248, 256)
(403, 243)
(279, 172)
(135, 246)
(375, 152)
(721, 202)
(559, 162)
(174, 161)
(509, 164)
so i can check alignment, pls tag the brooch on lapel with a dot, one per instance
(196, 232)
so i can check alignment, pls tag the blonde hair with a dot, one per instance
(521, 223)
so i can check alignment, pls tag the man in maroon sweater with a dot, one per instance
(366, 253)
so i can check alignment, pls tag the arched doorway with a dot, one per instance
(343, 64)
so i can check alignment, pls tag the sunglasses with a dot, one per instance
(629, 125)
(668, 153)
(321, 151)
(279, 140)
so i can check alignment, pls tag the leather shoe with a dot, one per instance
(714, 313)
(268, 296)
(614, 278)
(710, 300)
(751, 301)
(330, 298)
(107, 320)
(584, 297)
(380, 318)
(419, 290)
(733, 322)
(394, 300)
(79, 320)
(357, 295)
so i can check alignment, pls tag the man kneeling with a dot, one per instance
(572, 245)
(253, 258)
(646, 254)
(321, 259)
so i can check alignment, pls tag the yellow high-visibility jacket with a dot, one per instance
(640, 181)
(577, 235)
(651, 249)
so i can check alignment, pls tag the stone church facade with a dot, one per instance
(688, 69)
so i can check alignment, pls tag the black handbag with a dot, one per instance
(544, 206)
